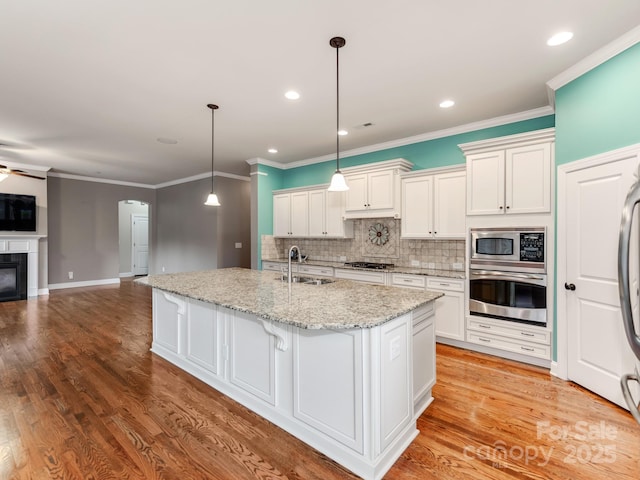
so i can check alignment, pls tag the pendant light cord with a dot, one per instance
(213, 109)
(337, 110)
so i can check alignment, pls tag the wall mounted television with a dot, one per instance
(17, 213)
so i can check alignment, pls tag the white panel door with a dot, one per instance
(380, 190)
(598, 353)
(528, 179)
(140, 244)
(317, 213)
(485, 183)
(334, 211)
(300, 214)
(282, 215)
(417, 207)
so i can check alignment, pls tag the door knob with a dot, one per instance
(569, 286)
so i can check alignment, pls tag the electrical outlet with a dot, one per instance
(238, 244)
(457, 266)
(343, 258)
(431, 265)
(415, 263)
(70, 275)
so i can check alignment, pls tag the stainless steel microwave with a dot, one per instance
(508, 249)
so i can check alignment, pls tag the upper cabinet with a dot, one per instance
(374, 189)
(312, 212)
(433, 204)
(510, 175)
(291, 214)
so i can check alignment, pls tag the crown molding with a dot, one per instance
(99, 180)
(19, 166)
(596, 59)
(522, 139)
(469, 127)
(200, 176)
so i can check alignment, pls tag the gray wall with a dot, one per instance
(83, 228)
(192, 236)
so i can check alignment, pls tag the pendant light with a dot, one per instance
(338, 183)
(212, 199)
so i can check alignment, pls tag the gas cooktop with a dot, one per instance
(370, 265)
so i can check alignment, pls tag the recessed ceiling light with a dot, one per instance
(292, 95)
(560, 38)
(273, 150)
(343, 132)
(167, 141)
(447, 103)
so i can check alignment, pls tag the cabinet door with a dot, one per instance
(485, 183)
(449, 205)
(281, 215)
(528, 179)
(380, 190)
(334, 210)
(417, 207)
(356, 196)
(450, 315)
(300, 214)
(424, 363)
(317, 213)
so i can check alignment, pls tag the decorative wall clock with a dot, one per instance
(378, 234)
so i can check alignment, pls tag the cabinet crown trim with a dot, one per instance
(399, 163)
(519, 139)
(434, 171)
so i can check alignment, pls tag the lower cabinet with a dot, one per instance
(376, 277)
(449, 308)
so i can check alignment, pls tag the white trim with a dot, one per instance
(259, 173)
(126, 274)
(469, 127)
(431, 171)
(200, 177)
(535, 136)
(14, 165)
(43, 291)
(99, 180)
(597, 58)
(400, 163)
(88, 283)
(561, 366)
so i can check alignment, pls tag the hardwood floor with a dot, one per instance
(81, 397)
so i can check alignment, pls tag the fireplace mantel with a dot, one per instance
(24, 243)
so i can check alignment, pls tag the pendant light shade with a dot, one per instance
(338, 183)
(212, 199)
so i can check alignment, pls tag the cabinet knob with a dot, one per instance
(508, 207)
(500, 207)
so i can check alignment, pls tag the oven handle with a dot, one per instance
(489, 273)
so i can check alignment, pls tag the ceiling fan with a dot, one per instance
(6, 171)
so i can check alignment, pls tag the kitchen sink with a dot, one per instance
(308, 280)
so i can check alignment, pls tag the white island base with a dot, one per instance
(353, 394)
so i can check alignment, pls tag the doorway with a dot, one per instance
(133, 236)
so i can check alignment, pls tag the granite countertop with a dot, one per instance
(342, 304)
(429, 272)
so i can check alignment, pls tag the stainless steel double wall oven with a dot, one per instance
(508, 274)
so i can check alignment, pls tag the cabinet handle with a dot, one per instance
(527, 334)
(444, 284)
(484, 339)
(484, 326)
(528, 349)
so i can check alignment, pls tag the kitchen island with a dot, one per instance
(343, 366)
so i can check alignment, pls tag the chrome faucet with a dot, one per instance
(289, 261)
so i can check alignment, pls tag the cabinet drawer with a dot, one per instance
(405, 280)
(361, 276)
(316, 270)
(512, 330)
(524, 348)
(455, 285)
(273, 266)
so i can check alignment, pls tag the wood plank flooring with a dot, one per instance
(81, 397)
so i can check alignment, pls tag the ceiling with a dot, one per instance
(87, 88)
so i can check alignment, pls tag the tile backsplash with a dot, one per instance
(386, 247)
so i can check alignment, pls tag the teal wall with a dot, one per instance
(269, 179)
(596, 113)
(440, 152)
(599, 111)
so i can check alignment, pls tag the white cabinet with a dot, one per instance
(510, 336)
(424, 358)
(374, 189)
(326, 212)
(449, 308)
(291, 214)
(433, 204)
(510, 175)
(376, 277)
(408, 281)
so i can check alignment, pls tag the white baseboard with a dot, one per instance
(126, 274)
(88, 283)
(43, 291)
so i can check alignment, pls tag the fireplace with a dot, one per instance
(13, 276)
